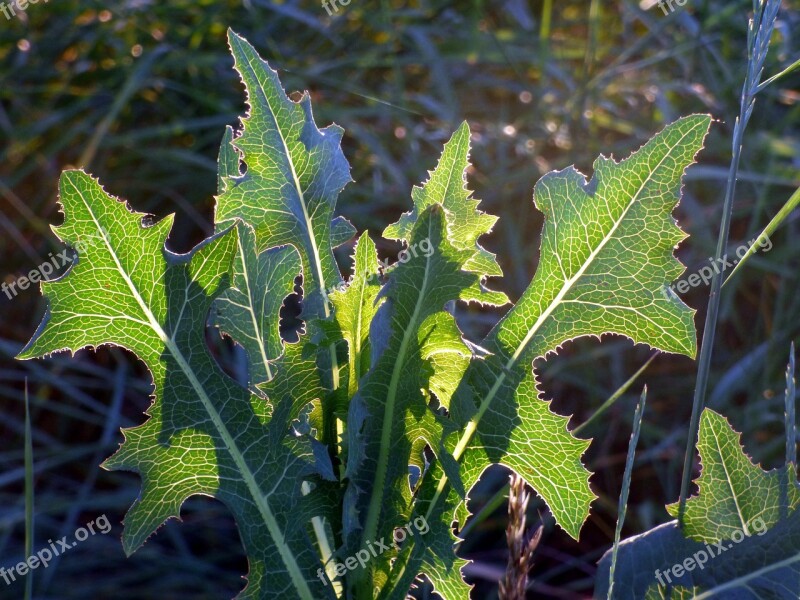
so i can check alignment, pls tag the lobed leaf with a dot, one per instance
(294, 174)
(733, 492)
(447, 186)
(758, 567)
(205, 434)
(249, 311)
(740, 537)
(389, 412)
(606, 254)
(355, 307)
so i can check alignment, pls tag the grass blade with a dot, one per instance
(28, 493)
(626, 486)
(615, 396)
(779, 218)
(791, 68)
(758, 40)
(791, 423)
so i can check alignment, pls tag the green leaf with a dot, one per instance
(389, 412)
(447, 186)
(249, 312)
(606, 254)
(432, 554)
(445, 356)
(294, 175)
(342, 231)
(733, 492)
(355, 307)
(765, 565)
(736, 534)
(205, 434)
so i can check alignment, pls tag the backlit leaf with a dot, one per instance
(205, 434)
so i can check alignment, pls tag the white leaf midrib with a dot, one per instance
(371, 525)
(260, 500)
(472, 426)
(317, 259)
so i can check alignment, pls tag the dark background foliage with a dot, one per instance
(139, 92)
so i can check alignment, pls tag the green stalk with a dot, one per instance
(28, 493)
(615, 396)
(626, 486)
(791, 424)
(547, 19)
(765, 13)
(792, 203)
(791, 68)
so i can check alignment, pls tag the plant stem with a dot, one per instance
(28, 493)
(615, 396)
(626, 486)
(761, 25)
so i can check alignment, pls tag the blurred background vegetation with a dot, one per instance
(138, 93)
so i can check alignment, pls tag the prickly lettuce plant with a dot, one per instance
(347, 458)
